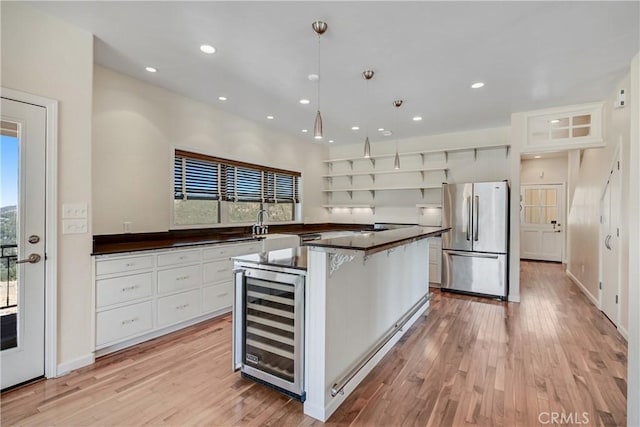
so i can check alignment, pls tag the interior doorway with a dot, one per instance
(609, 245)
(542, 216)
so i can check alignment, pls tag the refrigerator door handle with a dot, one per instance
(476, 207)
(471, 255)
(468, 224)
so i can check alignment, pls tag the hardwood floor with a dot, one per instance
(470, 361)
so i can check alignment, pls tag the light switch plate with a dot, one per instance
(74, 210)
(74, 226)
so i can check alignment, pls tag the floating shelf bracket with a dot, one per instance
(475, 154)
(350, 179)
(508, 148)
(446, 174)
(330, 167)
(373, 194)
(446, 157)
(422, 192)
(373, 161)
(422, 157)
(350, 193)
(373, 177)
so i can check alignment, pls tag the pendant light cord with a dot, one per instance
(319, 77)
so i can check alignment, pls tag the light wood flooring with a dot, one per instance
(470, 361)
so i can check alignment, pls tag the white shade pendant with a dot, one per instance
(396, 161)
(367, 148)
(317, 126)
(319, 27)
(367, 75)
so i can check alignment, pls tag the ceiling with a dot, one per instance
(531, 55)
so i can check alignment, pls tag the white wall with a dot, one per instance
(633, 377)
(46, 57)
(135, 123)
(553, 169)
(584, 214)
(400, 206)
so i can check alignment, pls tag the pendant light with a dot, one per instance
(319, 27)
(367, 75)
(396, 161)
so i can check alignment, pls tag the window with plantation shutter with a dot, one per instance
(201, 182)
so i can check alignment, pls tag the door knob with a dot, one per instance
(32, 259)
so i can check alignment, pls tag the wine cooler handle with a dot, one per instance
(237, 318)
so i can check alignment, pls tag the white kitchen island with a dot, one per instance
(362, 293)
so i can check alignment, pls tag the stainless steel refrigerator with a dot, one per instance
(475, 250)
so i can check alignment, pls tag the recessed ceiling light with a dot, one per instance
(537, 157)
(313, 77)
(151, 69)
(331, 141)
(304, 131)
(387, 133)
(417, 118)
(304, 101)
(222, 98)
(380, 129)
(355, 127)
(554, 121)
(477, 85)
(208, 49)
(270, 117)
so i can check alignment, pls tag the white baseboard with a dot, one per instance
(513, 298)
(80, 362)
(624, 333)
(584, 290)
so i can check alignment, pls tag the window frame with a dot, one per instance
(223, 208)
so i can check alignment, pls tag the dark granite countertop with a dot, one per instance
(289, 258)
(378, 241)
(132, 242)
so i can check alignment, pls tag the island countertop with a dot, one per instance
(377, 241)
(295, 258)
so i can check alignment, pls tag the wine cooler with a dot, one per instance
(268, 316)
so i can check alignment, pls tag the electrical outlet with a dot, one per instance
(74, 210)
(126, 226)
(74, 226)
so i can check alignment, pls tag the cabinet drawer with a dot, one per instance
(179, 278)
(117, 324)
(179, 307)
(435, 273)
(228, 251)
(435, 255)
(124, 288)
(123, 265)
(217, 297)
(217, 271)
(178, 257)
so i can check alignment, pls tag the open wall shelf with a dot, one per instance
(432, 176)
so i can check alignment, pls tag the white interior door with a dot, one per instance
(22, 295)
(542, 212)
(609, 250)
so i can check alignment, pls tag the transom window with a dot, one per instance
(211, 190)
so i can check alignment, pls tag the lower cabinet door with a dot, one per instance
(179, 307)
(217, 297)
(120, 323)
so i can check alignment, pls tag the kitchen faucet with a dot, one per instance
(259, 228)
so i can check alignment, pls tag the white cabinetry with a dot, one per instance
(143, 295)
(435, 261)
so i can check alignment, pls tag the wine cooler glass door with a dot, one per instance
(273, 327)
